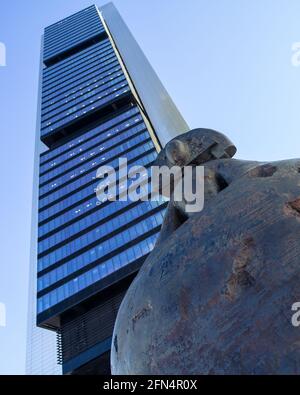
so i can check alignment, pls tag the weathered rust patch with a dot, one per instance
(240, 277)
(292, 208)
(141, 314)
(179, 328)
(266, 170)
(184, 303)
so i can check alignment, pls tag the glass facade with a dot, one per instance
(88, 250)
(71, 32)
(82, 240)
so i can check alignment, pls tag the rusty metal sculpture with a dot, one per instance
(215, 295)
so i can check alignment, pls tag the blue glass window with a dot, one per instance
(103, 127)
(99, 272)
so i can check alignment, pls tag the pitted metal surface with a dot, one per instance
(215, 295)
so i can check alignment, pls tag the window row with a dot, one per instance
(96, 274)
(81, 194)
(82, 89)
(75, 197)
(77, 31)
(100, 135)
(102, 100)
(79, 70)
(98, 233)
(73, 59)
(77, 178)
(86, 75)
(88, 84)
(89, 220)
(76, 166)
(81, 209)
(78, 59)
(85, 92)
(82, 98)
(71, 42)
(78, 16)
(96, 97)
(108, 246)
(78, 140)
(82, 84)
(88, 175)
(64, 26)
(71, 71)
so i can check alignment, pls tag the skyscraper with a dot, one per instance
(99, 100)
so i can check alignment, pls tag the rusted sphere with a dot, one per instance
(215, 297)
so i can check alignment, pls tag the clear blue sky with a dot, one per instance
(227, 65)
